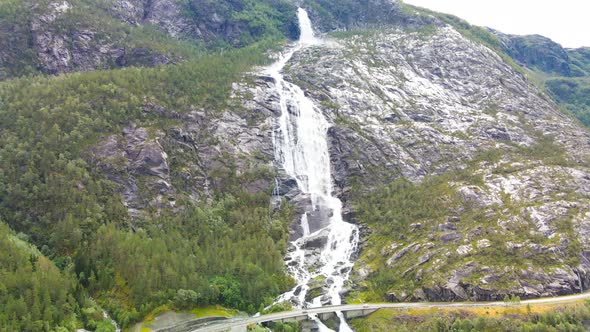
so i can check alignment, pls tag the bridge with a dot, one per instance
(361, 310)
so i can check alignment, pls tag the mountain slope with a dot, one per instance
(53, 37)
(163, 164)
(564, 72)
(154, 186)
(486, 180)
(80, 35)
(102, 168)
(540, 53)
(36, 295)
(59, 36)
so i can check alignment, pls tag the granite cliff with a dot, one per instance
(431, 104)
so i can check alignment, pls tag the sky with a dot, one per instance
(565, 21)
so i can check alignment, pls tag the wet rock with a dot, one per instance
(286, 185)
(319, 217)
(317, 241)
(316, 288)
(301, 201)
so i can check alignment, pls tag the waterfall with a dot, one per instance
(107, 317)
(301, 150)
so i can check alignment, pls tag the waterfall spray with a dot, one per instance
(301, 150)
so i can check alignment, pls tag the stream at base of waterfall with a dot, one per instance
(301, 151)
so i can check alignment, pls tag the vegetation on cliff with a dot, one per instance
(573, 94)
(225, 248)
(227, 251)
(511, 318)
(443, 238)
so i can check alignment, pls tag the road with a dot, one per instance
(240, 325)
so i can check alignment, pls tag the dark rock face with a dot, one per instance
(319, 241)
(61, 36)
(86, 46)
(361, 14)
(135, 156)
(167, 14)
(141, 57)
(560, 283)
(60, 52)
(155, 168)
(541, 53)
(536, 51)
(319, 217)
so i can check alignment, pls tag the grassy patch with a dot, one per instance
(558, 317)
(278, 307)
(149, 318)
(212, 311)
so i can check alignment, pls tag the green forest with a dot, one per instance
(228, 251)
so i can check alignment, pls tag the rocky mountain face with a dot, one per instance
(424, 104)
(62, 36)
(83, 48)
(153, 169)
(565, 73)
(330, 15)
(166, 14)
(65, 36)
(539, 53)
(417, 110)
(56, 36)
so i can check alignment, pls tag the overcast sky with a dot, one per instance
(565, 21)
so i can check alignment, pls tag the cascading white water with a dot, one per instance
(107, 317)
(301, 149)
